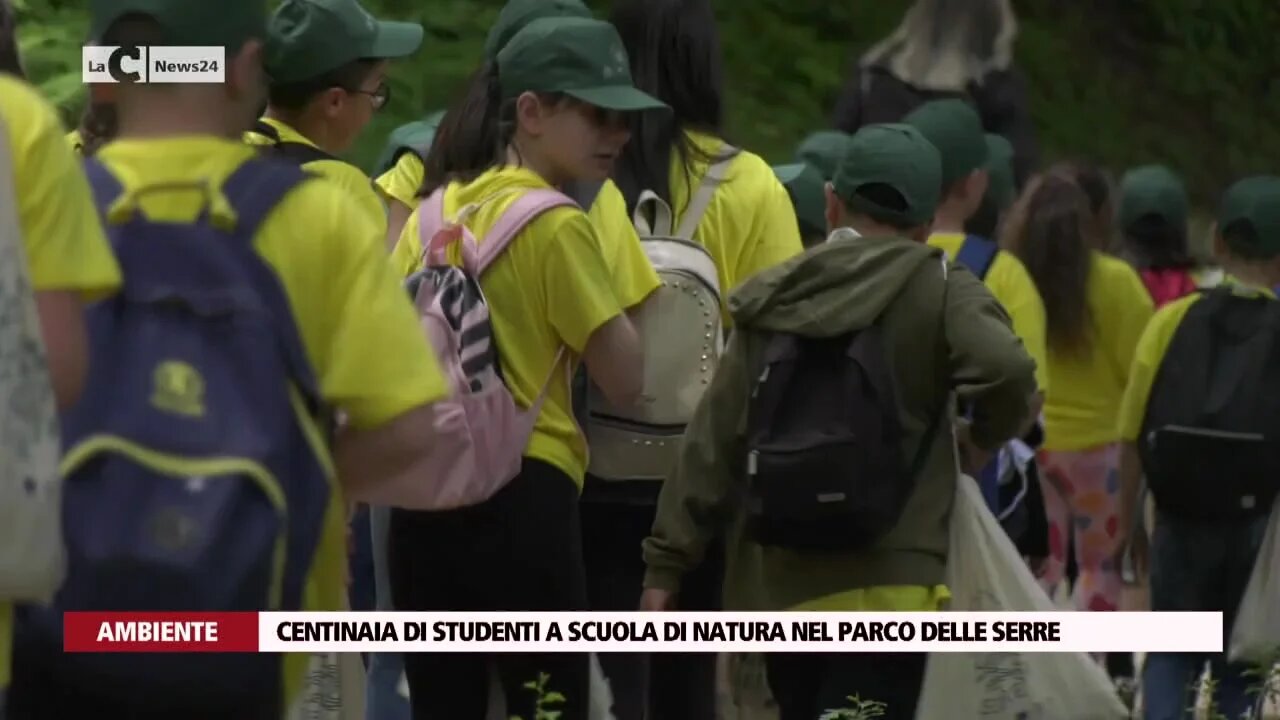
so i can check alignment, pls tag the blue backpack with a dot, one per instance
(191, 480)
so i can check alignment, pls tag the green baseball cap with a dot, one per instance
(805, 185)
(822, 151)
(311, 37)
(1153, 190)
(226, 23)
(894, 155)
(1249, 216)
(580, 57)
(516, 14)
(1002, 188)
(418, 134)
(955, 129)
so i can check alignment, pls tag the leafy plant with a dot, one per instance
(544, 699)
(859, 710)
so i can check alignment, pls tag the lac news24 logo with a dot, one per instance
(153, 64)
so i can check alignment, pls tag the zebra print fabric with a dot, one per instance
(462, 304)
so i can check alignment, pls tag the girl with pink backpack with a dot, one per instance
(513, 289)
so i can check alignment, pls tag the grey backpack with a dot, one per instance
(681, 329)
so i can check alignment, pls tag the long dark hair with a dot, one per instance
(1049, 231)
(10, 62)
(1097, 187)
(1153, 243)
(674, 48)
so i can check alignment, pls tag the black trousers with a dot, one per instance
(521, 550)
(671, 686)
(806, 685)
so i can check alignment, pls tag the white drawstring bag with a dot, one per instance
(985, 573)
(1255, 637)
(32, 556)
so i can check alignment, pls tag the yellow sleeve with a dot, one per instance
(774, 235)
(65, 245)
(1010, 283)
(1130, 312)
(576, 282)
(633, 275)
(402, 181)
(406, 256)
(357, 185)
(361, 332)
(1147, 357)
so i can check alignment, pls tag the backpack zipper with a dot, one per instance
(1220, 434)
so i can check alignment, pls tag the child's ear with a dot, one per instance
(529, 113)
(835, 208)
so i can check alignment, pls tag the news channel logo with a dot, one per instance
(153, 64)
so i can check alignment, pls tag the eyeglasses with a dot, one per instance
(379, 96)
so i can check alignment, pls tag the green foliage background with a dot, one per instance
(1194, 83)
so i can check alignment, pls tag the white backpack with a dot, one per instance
(32, 556)
(682, 332)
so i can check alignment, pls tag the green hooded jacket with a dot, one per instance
(841, 286)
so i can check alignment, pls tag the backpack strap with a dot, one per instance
(106, 188)
(521, 212)
(662, 215)
(977, 254)
(253, 190)
(701, 199)
(295, 152)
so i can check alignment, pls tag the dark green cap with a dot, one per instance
(580, 57)
(1002, 188)
(224, 23)
(955, 130)
(1249, 216)
(1153, 190)
(896, 155)
(822, 150)
(516, 14)
(805, 185)
(311, 37)
(416, 135)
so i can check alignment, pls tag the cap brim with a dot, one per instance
(623, 98)
(395, 40)
(787, 174)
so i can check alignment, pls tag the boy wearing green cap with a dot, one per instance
(942, 331)
(816, 160)
(178, 147)
(1001, 189)
(1198, 421)
(1154, 233)
(956, 130)
(327, 61)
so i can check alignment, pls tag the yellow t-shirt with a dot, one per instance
(75, 140)
(1009, 282)
(358, 328)
(1084, 400)
(633, 276)
(63, 240)
(402, 182)
(1150, 353)
(550, 287)
(887, 598)
(750, 224)
(349, 177)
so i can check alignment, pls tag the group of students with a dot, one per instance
(896, 281)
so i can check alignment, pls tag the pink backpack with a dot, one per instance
(480, 432)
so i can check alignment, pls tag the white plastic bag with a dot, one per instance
(1255, 637)
(32, 556)
(986, 574)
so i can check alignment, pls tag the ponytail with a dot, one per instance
(473, 134)
(1050, 231)
(10, 62)
(98, 126)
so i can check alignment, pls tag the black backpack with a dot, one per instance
(1210, 443)
(824, 463)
